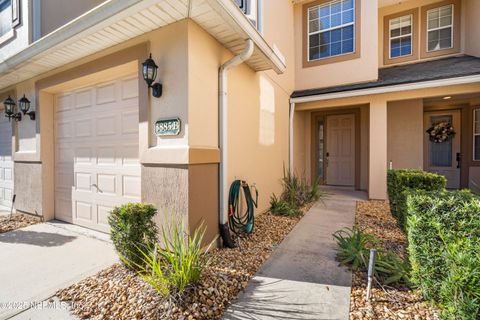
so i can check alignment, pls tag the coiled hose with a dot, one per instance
(241, 222)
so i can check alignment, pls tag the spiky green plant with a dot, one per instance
(354, 247)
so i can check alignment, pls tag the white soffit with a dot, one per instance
(116, 21)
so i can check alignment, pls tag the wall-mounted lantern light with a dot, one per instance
(24, 105)
(149, 70)
(10, 110)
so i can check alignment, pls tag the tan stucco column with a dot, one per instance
(377, 175)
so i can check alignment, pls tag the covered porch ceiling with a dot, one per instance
(116, 21)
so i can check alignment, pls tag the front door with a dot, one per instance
(442, 152)
(340, 150)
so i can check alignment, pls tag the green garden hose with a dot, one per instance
(238, 221)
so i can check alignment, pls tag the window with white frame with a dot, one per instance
(331, 29)
(250, 8)
(440, 28)
(5, 16)
(400, 31)
(476, 134)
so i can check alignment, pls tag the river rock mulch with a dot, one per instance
(117, 293)
(387, 303)
(16, 221)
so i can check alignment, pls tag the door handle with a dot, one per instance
(327, 154)
(459, 159)
(98, 189)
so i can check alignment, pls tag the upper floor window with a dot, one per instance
(401, 34)
(331, 29)
(5, 16)
(440, 28)
(440, 34)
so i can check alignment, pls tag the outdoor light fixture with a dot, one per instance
(447, 98)
(24, 105)
(10, 110)
(149, 70)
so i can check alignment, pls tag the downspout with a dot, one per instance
(290, 138)
(223, 132)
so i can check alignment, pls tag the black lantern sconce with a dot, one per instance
(10, 110)
(24, 105)
(149, 70)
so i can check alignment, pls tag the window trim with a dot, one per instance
(337, 58)
(386, 37)
(456, 29)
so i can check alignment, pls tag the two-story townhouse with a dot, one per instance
(95, 140)
(386, 84)
(336, 89)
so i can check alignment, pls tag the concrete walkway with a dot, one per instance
(302, 280)
(38, 260)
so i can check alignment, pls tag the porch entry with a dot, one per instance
(336, 159)
(442, 154)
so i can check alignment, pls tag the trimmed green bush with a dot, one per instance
(443, 231)
(132, 231)
(401, 182)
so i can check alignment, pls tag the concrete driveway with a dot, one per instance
(38, 260)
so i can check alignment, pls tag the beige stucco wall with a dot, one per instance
(405, 132)
(472, 27)
(258, 115)
(56, 13)
(362, 69)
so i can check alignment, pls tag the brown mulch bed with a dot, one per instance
(16, 221)
(117, 293)
(397, 302)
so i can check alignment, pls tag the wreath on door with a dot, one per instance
(441, 132)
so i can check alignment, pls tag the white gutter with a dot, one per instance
(223, 125)
(290, 138)
(278, 62)
(388, 89)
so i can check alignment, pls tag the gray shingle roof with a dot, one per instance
(452, 67)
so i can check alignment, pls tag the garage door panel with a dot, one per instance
(107, 183)
(83, 128)
(105, 94)
(6, 162)
(102, 151)
(83, 99)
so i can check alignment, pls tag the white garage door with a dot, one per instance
(6, 163)
(96, 152)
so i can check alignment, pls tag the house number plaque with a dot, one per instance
(168, 127)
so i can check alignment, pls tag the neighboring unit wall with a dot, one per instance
(405, 134)
(472, 27)
(19, 38)
(55, 14)
(362, 69)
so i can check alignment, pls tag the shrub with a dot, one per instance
(444, 248)
(354, 247)
(296, 194)
(179, 264)
(354, 251)
(283, 208)
(132, 229)
(401, 182)
(390, 268)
